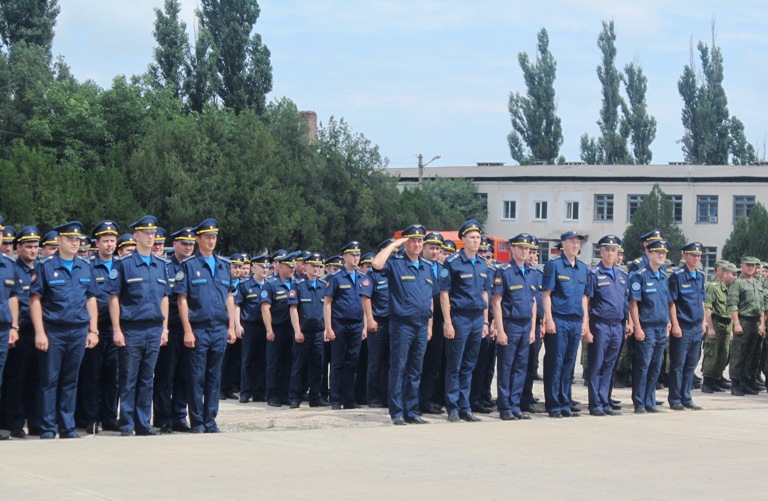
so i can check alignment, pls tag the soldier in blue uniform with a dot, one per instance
(125, 244)
(230, 366)
(345, 325)
(480, 397)
(158, 248)
(276, 301)
(97, 392)
(642, 262)
(686, 285)
(18, 402)
(376, 307)
(464, 301)
(514, 305)
(253, 369)
(49, 244)
(9, 235)
(9, 310)
(649, 303)
(138, 307)
(64, 312)
(565, 322)
(528, 401)
(207, 312)
(433, 356)
(608, 292)
(308, 328)
(411, 287)
(170, 386)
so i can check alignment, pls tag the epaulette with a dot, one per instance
(163, 259)
(46, 259)
(298, 280)
(270, 279)
(188, 258)
(397, 256)
(9, 258)
(641, 270)
(92, 257)
(321, 280)
(452, 257)
(505, 266)
(225, 259)
(594, 270)
(84, 259)
(678, 270)
(120, 258)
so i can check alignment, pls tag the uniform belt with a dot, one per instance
(746, 317)
(725, 320)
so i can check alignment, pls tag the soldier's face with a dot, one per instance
(184, 249)
(520, 253)
(571, 246)
(729, 277)
(6, 248)
(472, 240)
(747, 270)
(68, 246)
(28, 251)
(314, 271)
(692, 261)
(49, 250)
(414, 246)
(608, 256)
(351, 260)
(658, 257)
(106, 245)
(432, 251)
(260, 271)
(207, 241)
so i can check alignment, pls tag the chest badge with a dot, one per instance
(55, 274)
(198, 273)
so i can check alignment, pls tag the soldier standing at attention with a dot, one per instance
(464, 301)
(376, 308)
(345, 325)
(433, 248)
(62, 304)
(686, 285)
(745, 304)
(253, 371)
(649, 306)
(207, 312)
(717, 340)
(565, 322)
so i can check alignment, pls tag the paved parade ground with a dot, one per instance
(268, 453)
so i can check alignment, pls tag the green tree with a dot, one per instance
(612, 141)
(749, 236)
(537, 133)
(242, 60)
(637, 124)
(202, 80)
(656, 211)
(172, 54)
(712, 136)
(28, 21)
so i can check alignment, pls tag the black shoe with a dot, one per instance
(109, 426)
(575, 402)
(469, 417)
(535, 400)
(481, 410)
(556, 414)
(531, 409)
(677, 407)
(165, 430)
(597, 412)
(718, 387)
(453, 417)
(692, 406)
(748, 390)
(126, 433)
(708, 388)
(569, 413)
(376, 405)
(416, 420)
(351, 406)
(723, 383)
(654, 410)
(640, 410)
(319, 403)
(47, 435)
(274, 403)
(432, 409)
(336, 407)
(20, 433)
(736, 389)
(613, 401)
(181, 427)
(575, 409)
(150, 432)
(91, 428)
(244, 399)
(215, 429)
(521, 416)
(507, 416)
(72, 434)
(398, 421)
(612, 413)
(295, 404)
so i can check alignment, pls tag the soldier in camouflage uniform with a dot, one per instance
(717, 342)
(745, 303)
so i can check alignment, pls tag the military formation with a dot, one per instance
(145, 332)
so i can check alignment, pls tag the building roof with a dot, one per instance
(594, 173)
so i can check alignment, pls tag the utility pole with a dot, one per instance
(421, 168)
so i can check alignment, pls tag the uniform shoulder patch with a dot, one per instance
(113, 273)
(636, 286)
(366, 282)
(497, 281)
(265, 293)
(291, 293)
(33, 278)
(444, 272)
(179, 276)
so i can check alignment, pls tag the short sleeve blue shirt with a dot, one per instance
(651, 291)
(608, 294)
(411, 288)
(63, 293)
(687, 292)
(568, 284)
(140, 286)
(465, 281)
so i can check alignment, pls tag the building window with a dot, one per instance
(509, 209)
(572, 211)
(742, 206)
(677, 208)
(603, 207)
(706, 208)
(540, 211)
(596, 252)
(633, 202)
(543, 252)
(708, 260)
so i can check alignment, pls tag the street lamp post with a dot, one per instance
(421, 167)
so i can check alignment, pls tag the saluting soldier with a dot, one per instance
(745, 304)
(308, 327)
(18, 402)
(464, 301)
(62, 304)
(138, 307)
(686, 285)
(207, 312)
(376, 308)
(649, 308)
(608, 293)
(514, 306)
(97, 392)
(345, 325)
(170, 385)
(276, 300)
(253, 332)
(411, 288)
(717, 340)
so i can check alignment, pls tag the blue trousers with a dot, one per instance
(407, 344)
(253, 368)
(345, 350)
(59, 370)
(137, 369)
(20, 384)
(533, 367)
(646, 366)
(559, 361)
(461, 357)
(203, 373)
(307, 367)
(603, 353)
(279, 361)
(683, 358)
(97, 385)
(512, 366)
(170, 388)
(378, 363)
(430, 372)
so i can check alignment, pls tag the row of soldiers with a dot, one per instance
(434, 321)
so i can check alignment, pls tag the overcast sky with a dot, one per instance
(433, 77)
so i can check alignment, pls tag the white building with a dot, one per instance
(547, 200)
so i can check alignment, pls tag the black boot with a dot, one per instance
(707, 386)
(724, 383)
(736, 389)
